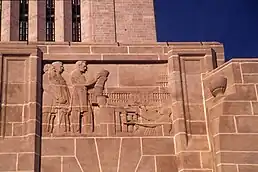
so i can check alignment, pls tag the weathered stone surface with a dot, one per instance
(242, 142)
(130, 154)
(229, 168)
(86, 152)
(158, 146)
(166, 163)
(117, 107)
(147, 164)
(8, 162)
(51, 164)
(70, 164)
(190, 160)
(239, 157)
(108, 157)
(245, 124)
(26, 161)
(248, 168)
(58, 147)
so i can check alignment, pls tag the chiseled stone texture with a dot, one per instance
(232, 116)
(207, 132)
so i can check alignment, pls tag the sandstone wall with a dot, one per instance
(232, 117)
(202, 132)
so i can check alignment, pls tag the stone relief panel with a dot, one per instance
(89, 99)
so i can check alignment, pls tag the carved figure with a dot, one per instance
(61, 94)
(49, 109)
(100, 84)
(80, 101)
(148, 119)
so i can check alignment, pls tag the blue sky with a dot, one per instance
(231, 22)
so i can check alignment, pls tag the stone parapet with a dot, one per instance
(231, 116)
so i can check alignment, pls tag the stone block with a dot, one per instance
(247, 124)
(140, 75)
(130, 57)
(106, 115)
(223, 124)
(130, 154)
(255, 108)
(166, 163)
(236, 108)
(147, 163)
(26, 161)
(158, 146)
(192, 66)
(238, 157)
(192, 89)
(51, 164)
(108, 158)
(86, 153)
(247, 168)
(249, 68)
(15, 69)
(18, 129)
(113, 49)
(243, 92)
(70, 164)
(207, 160)
(14, 113)
(227, 168)
(253, 78)
(68, 50)
(8, 162)
(198, 128)
(15, 93)
(150, 50)
(58, 147)
(242, 142)
(189, 160)
(173, 64)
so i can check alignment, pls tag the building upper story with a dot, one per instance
(89, 21)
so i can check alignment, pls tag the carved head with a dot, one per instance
(82, 66)
(104, 73)
(46, 67)
(58, 67)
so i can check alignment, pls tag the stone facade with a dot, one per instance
(102, 21)
(118, 101)
(160, 108)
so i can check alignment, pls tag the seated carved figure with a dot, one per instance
(149, 119)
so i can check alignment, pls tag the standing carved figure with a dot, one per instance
(61, 95)
(49, 110)
(80, 101)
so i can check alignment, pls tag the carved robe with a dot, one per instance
(48, 98)
(60, 91)
(80, 92)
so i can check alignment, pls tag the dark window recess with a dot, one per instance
(76, 21)
(23, 20)
(0, 18)
(50, 20)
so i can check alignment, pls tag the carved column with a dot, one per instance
(10, 21)
(86, 21)
(37, 21)
(32, 20)
(5, 21)
(59, 21)
(67, 21)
